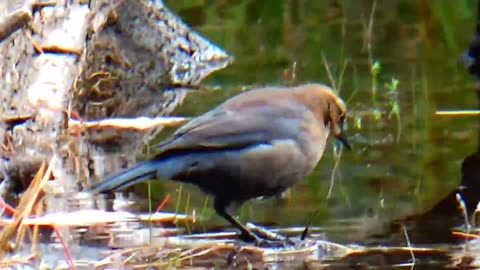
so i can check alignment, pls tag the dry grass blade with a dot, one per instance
(468, 236)
(25, 206)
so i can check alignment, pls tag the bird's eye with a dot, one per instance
(341, 119)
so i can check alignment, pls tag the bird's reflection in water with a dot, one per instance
(436, 225)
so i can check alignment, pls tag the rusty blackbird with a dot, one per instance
(257, 143)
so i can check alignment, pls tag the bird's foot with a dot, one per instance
(262, 237)
(273, 243)
(263, 242)
(267, 234)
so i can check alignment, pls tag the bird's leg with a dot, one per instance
(221, 209)
(245, 233)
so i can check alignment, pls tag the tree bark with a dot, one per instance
(91, 60)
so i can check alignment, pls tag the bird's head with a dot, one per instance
(327, 106)
(335, 116)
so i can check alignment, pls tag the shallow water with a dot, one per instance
(401, 164)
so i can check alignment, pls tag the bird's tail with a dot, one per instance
(141, 172)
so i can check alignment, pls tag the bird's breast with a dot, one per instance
(312, 138)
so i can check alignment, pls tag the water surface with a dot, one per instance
(405, 158)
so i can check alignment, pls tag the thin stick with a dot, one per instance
(409, 245)
(329, 73)
(458, 113)
(68, 253)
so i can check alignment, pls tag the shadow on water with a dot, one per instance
(399, 187)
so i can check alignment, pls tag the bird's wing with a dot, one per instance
(227, 128)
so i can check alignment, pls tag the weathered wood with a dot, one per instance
(92, 60)
(14, 21)
(141, 63)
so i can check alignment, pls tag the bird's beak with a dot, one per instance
(342, 137)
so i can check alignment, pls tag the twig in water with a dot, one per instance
(409, 245)
(337, 155)
(309, 223)
(463, 208)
